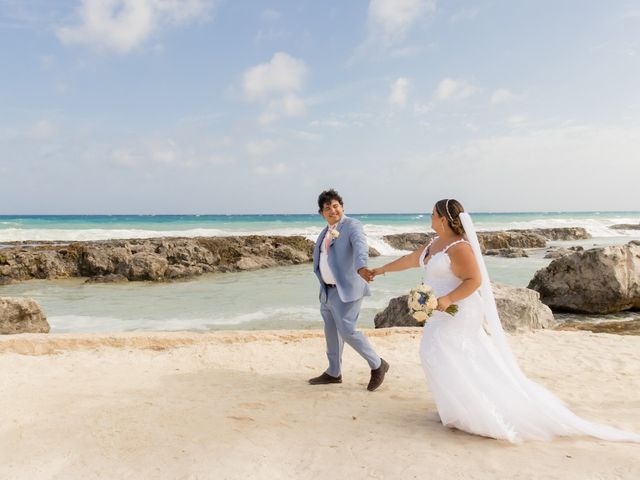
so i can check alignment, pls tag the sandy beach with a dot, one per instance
(237, 405)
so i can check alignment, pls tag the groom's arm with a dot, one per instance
(360, 247)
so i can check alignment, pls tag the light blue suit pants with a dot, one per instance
(339, 327)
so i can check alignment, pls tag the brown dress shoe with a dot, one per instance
(324, 379)
(377, 376)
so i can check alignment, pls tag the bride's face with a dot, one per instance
(436, 220)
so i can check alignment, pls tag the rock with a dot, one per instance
(396, 314)
(151, 259)
(373, 252)
(508, 252)
(21, 315)
(560, 252)
(520, 310)
(599, 280)
(628, 327)
(626, 226)
(563, 233)
(109, 278)
(147, 266)
(100, 259)
(408, 241)
(495, 240)
(510, 239)
(4, 280)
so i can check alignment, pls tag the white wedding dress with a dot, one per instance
(475, 380)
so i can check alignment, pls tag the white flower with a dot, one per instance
(414, 305)
(334, 233)
(432, 303)
(420, 316)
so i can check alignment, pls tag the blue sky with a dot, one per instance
(197, 106)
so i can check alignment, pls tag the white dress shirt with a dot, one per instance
(325, 270)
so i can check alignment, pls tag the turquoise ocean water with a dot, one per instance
(284, 297)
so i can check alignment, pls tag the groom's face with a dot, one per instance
(332, 212)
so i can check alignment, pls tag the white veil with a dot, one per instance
(492, 319)
(559, 419)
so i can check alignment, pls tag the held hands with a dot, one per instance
(377, 271)
(370, 274)
(366, 274)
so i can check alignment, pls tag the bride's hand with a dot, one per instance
(377, 271)
(443, 303)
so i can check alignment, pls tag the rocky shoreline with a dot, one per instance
(595, 281)
(154, 259)
(498, 242)
(160, 259)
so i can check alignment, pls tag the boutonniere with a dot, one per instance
(334, 233)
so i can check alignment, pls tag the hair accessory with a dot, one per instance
(446, 205)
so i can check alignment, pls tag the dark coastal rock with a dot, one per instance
(396, 314)
(510, 239)
(628, 327)
(626, 226)
(21, 315)
(373, 252)
(496, 240)
(507, 252)
(487, 240)
(520, 310)
(599, 280)
(561, 233)
(152, 259)
(408, 241)
(561, 252)
(109, 278)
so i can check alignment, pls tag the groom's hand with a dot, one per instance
(367, 274)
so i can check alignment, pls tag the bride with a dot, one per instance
(475, 379)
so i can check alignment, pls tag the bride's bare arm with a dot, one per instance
(411, 260)
(465, 267)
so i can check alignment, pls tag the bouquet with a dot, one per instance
(422, 302)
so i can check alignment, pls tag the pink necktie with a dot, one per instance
(327, 238)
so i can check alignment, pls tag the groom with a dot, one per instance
(340, 263)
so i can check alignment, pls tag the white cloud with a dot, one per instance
(293, 105)
(399, 92)
(502, 95)
(276, 84)
(123, 25)
(390, 20)
(450, 89)
(282, 74)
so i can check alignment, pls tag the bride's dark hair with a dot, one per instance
(451, 209)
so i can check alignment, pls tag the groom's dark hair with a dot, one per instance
(328, 196)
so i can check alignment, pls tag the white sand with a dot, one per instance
(237, 405)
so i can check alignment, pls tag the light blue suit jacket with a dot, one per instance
(348, 253)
